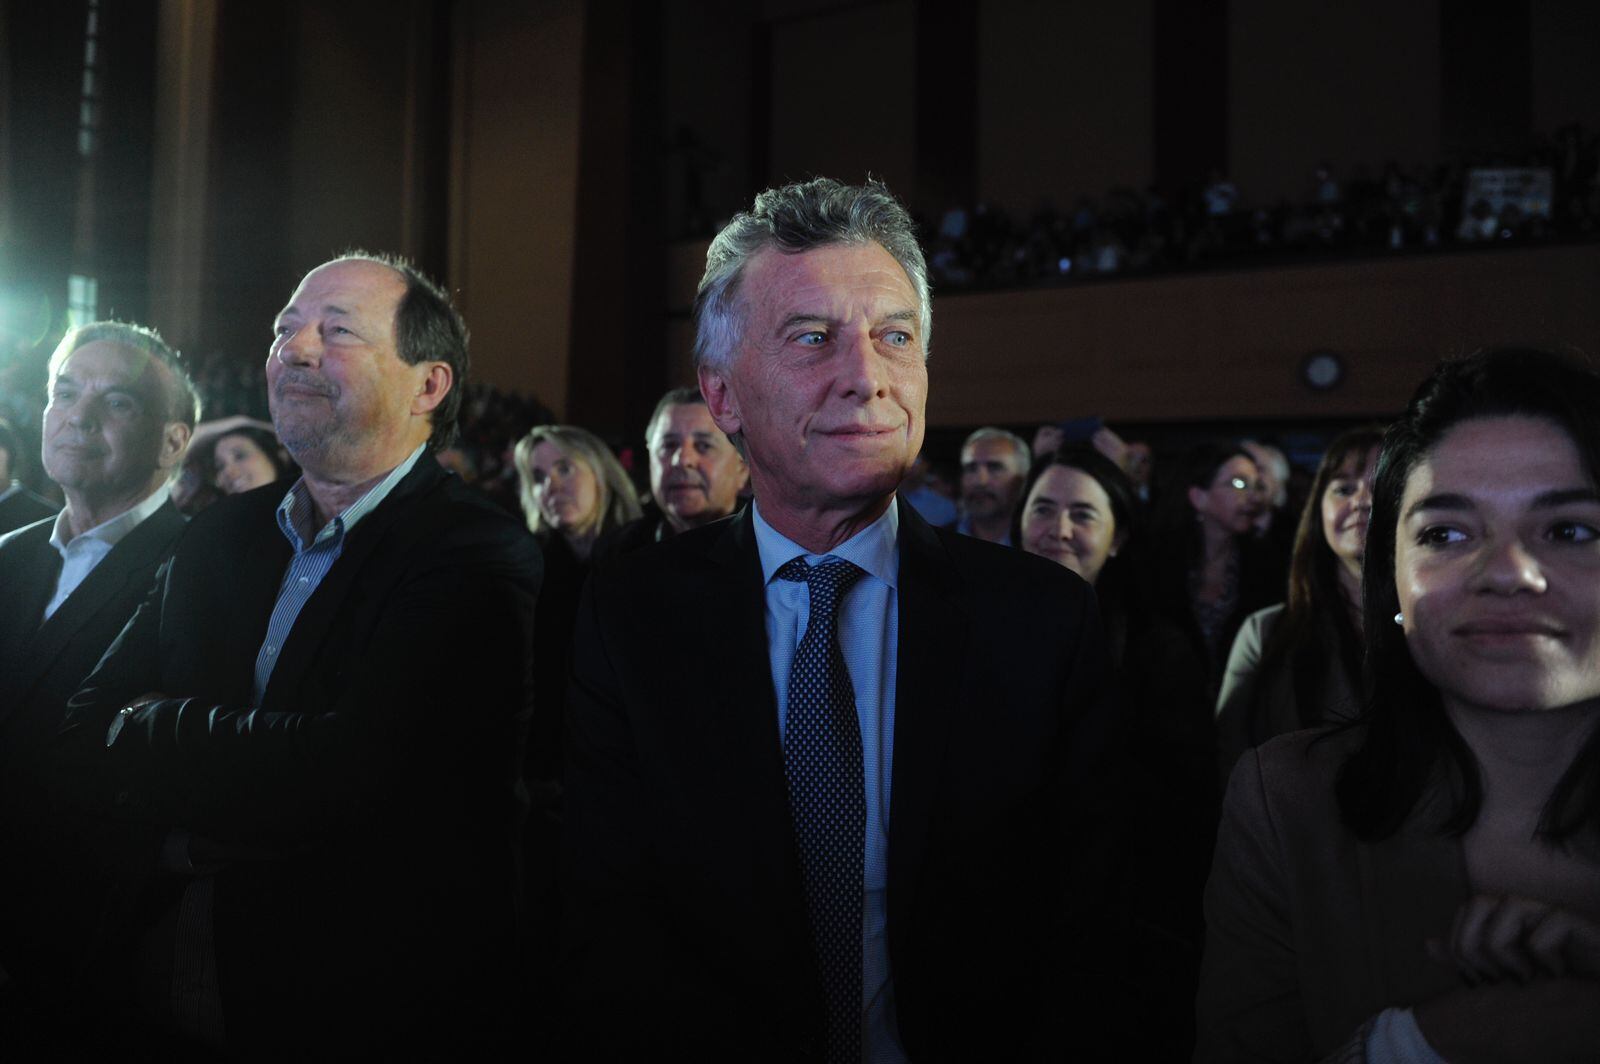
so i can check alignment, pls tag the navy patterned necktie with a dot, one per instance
(827, 798)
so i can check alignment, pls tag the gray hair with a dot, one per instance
(675, 397)
(797, 218)
(1020, 449)
(183, 400)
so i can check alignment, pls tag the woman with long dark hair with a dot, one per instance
(1424, 883)
(1207, 571)
(1298, 664)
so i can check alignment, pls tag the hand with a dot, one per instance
(1111, 445)
(1547, 1020)
(1497, 937)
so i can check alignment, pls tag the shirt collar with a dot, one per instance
(874, 549)
(108, 532)
(295, 511)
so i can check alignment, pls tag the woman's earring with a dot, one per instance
(1400, 618)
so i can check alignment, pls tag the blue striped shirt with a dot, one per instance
(869, 640)
(314, 555)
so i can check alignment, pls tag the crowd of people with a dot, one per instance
(310, 748)
(1369, 210)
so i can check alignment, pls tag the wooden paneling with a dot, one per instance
(1228, 345)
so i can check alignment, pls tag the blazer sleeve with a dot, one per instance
(1249, 1006)
(613, 911)
(1236, 701)
(444, 688)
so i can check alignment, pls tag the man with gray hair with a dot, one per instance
(994, 466)
(696, 474)
(119, 415)
(735, 888)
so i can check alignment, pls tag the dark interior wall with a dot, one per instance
(250, 267)
(347, 139)
(1065, 102)
(1485, 77)
(126, 58)
(843, 91)
(514, 187)
(309, 134)
(616, 364)
(1348, 81)
(1565, 44)
(709, 58)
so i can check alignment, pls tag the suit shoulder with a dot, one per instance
(26, 538)
(1299, 770)
(657, 561)
(233, 512)
(1010, 573)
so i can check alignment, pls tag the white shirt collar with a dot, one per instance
(108, 532)
(876, 548)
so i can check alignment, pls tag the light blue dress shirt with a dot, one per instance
(81, 553)
(313, 556)
(869, 639)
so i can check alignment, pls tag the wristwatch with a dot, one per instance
(117, 722)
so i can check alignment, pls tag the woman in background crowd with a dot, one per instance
(1081, 511)
(573, 490)
(1209, 573)
(1424, 883)
(249, 457)
(1298, 663)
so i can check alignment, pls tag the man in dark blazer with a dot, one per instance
(899, 881)
(118, 419)
(324, 705)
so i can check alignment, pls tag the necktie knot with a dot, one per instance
(828, 582)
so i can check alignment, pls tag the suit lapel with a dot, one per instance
(746, 703)
(133, 558)
(341, 589)
(931, 658)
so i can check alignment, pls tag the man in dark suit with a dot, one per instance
(324, 705)
(18, 505)
(120, 412)
(696, 474)
(835, 809)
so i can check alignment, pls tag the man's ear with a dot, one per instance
(434, 386)
(174, 442)
(720, 400)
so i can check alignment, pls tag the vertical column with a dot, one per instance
(617, 359)
(186, 47)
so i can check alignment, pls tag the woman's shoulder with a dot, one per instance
(1294, 775)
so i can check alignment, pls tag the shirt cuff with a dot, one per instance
(1395, 1038)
